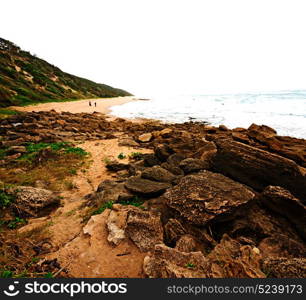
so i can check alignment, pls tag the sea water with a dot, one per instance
(284, 111)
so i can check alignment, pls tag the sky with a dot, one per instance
(152, 47)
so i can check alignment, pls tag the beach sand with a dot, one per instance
(80, 106)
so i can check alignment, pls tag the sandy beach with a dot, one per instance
(81, 106)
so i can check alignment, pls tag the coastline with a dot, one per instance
(103, 105)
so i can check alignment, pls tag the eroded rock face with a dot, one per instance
(207, 196)
(191, 165)
(259, 169)
(145, 187)
(158, 173)
(142, 227)
(284, 203)
(228, 259)
(285, 268)
(33, 202)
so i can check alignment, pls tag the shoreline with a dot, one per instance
(81, 106)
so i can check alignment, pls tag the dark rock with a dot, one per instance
(207, 197)
(151, 160)
(175, 159)
(116, 166)
(190, 165)
(145, 187)
(259, 169)
(284, 203)
(162, 152)
(173, 169)
(157, 173)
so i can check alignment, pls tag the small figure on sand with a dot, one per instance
(95, 104)
(89, 103)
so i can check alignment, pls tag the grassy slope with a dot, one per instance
(26, 79)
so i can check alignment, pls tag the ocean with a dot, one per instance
(284, 111)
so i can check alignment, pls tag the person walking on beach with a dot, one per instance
(95, 104)
(89, 103)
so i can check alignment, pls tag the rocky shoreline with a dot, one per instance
(202, 202)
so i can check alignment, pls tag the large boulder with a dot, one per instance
(284, 203)
(158, 173)
(146, 187)
(207, 197)
(258, 168)
(33, 202)
(191, 165)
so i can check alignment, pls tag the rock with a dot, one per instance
(284, 203)
(16, 149)
(188, 243)
(207, 197)
(284, 267)
(240, 137)
(166, 262)
(259, 169)
(223, 128)
(145, 187)
(151, 160)
(145, 138)
(110, 191)
(116, 166)
(162, 152)
(116, 225)
(157, 173)
(166, 133)
(228, 259)
(172, 169)
(128, 142)
(144, 229)
(175, 159)
(33, 202)
(261, 133)
(190, 165)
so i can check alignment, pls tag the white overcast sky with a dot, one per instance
(153, 47)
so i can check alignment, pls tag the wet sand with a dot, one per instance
(80, 106)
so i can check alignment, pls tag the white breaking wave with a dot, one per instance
(283, 111)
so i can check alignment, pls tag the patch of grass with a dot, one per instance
(190, 265)
(103, 207)
(13, 224)
(6, 274)
(70, 185)
(73, 171)
(5, 199)
(2, 153)
(8, 112)
(135, 202)
(121, 156)
(106, 160)
(70, 213)
(136, 155)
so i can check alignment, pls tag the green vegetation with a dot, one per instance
(121, 156)
(103, 207)
(50, 163)
(5, 199)
(190, 265)
(26, 79)
(136, 155)
(135, 202)
(14, 223)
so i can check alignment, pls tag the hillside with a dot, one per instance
(27, 79)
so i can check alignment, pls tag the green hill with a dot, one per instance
(26, 79)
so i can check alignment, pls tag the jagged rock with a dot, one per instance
(188, 243)
(166, 133)
(166, 262)
(33, 202)
(145, 138)
(116, 166)
(284, 203)
(151, 160)
(228, 259)
(240, 137)
(175, 159)
(145, 187)
(258, 168)
(144, 229)
(129, 142)
(110, 190)
(116, 225)
(157, 173)
(162, 152)
(190, 165)
(172, 169)
(206, 197)
(261, 133)
(223, 128)
(284, 267)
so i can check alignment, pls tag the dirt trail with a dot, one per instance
(66, 223)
